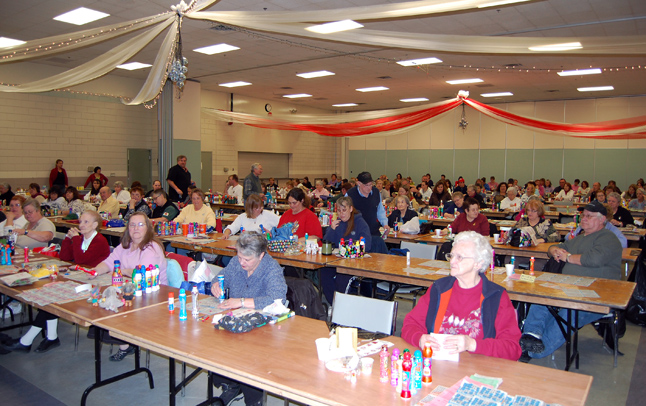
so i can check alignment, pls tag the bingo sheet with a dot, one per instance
(56, 292)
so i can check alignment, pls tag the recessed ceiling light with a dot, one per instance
(415, 62)
(216, 49)
(557, 47)
(500, 3)
(317, 74)
(9, 42)
(81, 16)
(345, 105)
(372, 89)
(296, 96)
(133, 66)
(463, 81)
(413, 100)
(497, 94)
(593, 71)
(234, 84)
(336, 26)
(595, 88)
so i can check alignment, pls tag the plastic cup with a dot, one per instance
(510, 269)
(366, 365)
(496, 238)
(438, 232)
(184, 230)
(322, 348)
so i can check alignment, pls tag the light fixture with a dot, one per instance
(345, 105)
(501, 3)
(133, 66)
(81, 16)
(9, 42)
(336, 26)
(216, 49)
(463, 81)
(593, 71)
(317, 74)
(296, 96)
(413, 100)
(372, 89)
(234, 84)
(595, 88)
(557, 47)
(416, 62)
(499, 94)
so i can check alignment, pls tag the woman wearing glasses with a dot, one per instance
(138, 247)
(543, 228)
(477, 313)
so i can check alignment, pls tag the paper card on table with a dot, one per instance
(442, 272)
(433, 263)
(418, 271)
(18, 279)
(573, 292)
(589, 293)
(527, 278)
(372, 347)
(443, 354)
(8, 269)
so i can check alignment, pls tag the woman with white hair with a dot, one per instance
(512, 201)
(476, 312)
(639, 203)
(120, 193)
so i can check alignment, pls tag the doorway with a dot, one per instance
(140, 167)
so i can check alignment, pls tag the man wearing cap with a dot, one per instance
(460, 186)
(596, 253)
(367, 199)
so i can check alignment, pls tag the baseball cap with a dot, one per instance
(364, 177)
(594, 207)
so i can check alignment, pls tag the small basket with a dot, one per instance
(280, 245)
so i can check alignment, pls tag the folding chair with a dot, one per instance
(378, 316)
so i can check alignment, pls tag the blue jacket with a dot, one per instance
(360, 229)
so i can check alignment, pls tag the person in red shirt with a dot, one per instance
(84, 246)
(308, 222)
(58, 175)
(475, 312)
(471, 220)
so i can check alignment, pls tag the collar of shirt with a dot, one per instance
(87, 241)
(361, 194)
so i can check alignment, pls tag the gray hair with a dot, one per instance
(483, 253)
(31, 202)
(6, 186)
(639, 190)
(512, 189)
(320, 182)
(472, 187)
(402, 197)
(120, 184)
(615, 195)
(251, 243)
(345, 201)
(255, 166)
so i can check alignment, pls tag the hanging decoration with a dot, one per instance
(179, 67)
(463, 123)
(389, 122)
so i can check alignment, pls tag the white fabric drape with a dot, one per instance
(94, 68)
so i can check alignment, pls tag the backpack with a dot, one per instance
(636, 309)
(515, 235)
(304, 299)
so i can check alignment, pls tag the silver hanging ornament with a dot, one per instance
(463, 120)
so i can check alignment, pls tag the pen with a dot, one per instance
(284, 317)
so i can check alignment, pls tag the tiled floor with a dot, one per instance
(64, 374)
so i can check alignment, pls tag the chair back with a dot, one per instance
(426, 251)
(366, 313)
(174, 273)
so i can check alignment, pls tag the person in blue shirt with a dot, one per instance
(609, 226)
(456, 204)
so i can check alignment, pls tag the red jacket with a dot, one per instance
(54, 173)
(90, 179)
(98, 250)
(479, 225)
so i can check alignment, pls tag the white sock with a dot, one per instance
(29, 337)
(52, 329)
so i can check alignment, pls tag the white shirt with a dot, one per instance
(566, 196)
(20, 222)
(123, 197)
(513, 205)
(87, 241)
(267, 218)
(236, 191)
(426, 196)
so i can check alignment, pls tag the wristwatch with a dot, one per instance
(567, 259)
(242, 302)
(26, 231)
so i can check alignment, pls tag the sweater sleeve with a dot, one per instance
(483, 225)
(415, 321)
(506, 344)
(66, 253)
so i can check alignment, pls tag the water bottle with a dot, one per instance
(196, 311)
(182, 304)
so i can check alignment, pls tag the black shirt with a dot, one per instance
(182, 179)
(624, 216)
(396, 215)
(6, 197)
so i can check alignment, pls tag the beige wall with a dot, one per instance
(310, 154)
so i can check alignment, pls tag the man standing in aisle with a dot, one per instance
(252, 181)
(367, 199)
(179, 179)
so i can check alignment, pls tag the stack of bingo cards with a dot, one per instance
(352, 249)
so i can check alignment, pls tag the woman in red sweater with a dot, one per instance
(471, 220)
(84, 246)
(299, 211)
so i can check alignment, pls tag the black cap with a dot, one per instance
(364, 177)
(594, 207)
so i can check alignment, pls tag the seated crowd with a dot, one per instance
(475, 311)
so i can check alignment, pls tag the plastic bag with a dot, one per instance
(411, 226)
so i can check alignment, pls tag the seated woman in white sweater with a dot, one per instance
(253, 217)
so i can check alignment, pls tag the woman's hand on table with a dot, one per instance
(444, 231)
(19, 231)
(559, 254)
(435, 345)
(459, 343)
(231, 304)
(616, 223)
(215, 289)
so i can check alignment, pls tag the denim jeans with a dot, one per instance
(540, 322)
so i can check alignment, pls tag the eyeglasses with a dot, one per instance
(135, 225)
(457, 257)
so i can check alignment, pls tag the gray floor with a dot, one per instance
(64, 373)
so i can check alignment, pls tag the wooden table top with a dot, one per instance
(282, 359)
(612, 293)
(59, 222)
